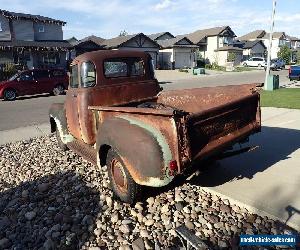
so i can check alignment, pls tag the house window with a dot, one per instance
(51, 58)
(227, 40)
(41, 28)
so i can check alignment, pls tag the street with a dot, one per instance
(27, 111)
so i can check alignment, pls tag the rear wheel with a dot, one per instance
(245, 64)
(9, 94)
(122, 183)
(58, 89)
(259, 65)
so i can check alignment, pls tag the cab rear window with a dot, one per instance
(124, 67)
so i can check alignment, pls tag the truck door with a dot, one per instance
(71, 104)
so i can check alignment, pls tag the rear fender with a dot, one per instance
(58, 121)
(143, 149)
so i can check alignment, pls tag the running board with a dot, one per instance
(84, 150)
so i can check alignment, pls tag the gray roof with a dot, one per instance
(276, 35)
(293, 38)
(157, 35)
(37, 44)
(251, 44)
(95, 39)
(230, 47)
(120, 40)
(199, 35)
(35, 18)
(173, 42)
(252, 35)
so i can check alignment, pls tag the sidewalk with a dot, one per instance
(24, 133)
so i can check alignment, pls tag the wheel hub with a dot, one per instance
(119, 175)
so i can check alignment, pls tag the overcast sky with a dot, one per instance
(106, 18)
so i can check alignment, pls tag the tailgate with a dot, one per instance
(216, 129)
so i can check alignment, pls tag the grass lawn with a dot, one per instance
(281, 98)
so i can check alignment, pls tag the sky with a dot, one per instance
(107, 18)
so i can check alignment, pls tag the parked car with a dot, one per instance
(115, 114)
(255, 62)
(32, 82)
(274, 65)
(294, 73)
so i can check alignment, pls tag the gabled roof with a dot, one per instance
(252, 35)
(73, 40)
(95, 39)
(199, 35)
(174, 42)
(251, 44)
(35, 18)
(276, 35)
(158, 35)
(116, 42)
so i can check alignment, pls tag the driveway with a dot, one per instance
(267, 178)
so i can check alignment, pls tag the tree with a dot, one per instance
(123, 33)
(285, 54)
(231, 57)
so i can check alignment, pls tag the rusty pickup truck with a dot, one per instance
(115, 114)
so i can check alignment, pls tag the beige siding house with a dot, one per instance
(213, 42)
(175, 52)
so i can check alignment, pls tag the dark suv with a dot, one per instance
(35, 81)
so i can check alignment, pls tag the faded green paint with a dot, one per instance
(166, 151)
(65, 137)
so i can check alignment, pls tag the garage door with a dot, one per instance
(182, 59)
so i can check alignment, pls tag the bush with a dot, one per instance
(7, 70)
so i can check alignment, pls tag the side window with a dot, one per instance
(74, 76)
(115, 69)
(137, 68)
(41, 74)
(87, 74)
(26, 76)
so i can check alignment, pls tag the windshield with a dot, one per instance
(14, 77)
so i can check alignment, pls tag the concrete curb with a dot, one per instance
(24, 133)
(249, 208)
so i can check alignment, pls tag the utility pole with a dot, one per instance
(270, 43)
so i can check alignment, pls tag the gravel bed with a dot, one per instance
(56, 200)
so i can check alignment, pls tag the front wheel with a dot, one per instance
(58, 89)
(122, 183)
(245, 64)
(9, 94)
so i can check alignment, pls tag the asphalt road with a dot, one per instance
(33, 110)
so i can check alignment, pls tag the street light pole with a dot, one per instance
(270, 44)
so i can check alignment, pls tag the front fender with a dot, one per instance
(58, 121)
(142, 148)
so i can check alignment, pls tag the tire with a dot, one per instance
(259, 65)
(59, 89)
(60, 143)
(122, 183)
(245, 64)
(10, 95)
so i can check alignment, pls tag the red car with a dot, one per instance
(35, 81)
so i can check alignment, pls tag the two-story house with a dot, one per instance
(32, 40)
(279, 39)
(215, 44)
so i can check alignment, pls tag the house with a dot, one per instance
(255, 48)
(176, 53)
(279, 39)
(295, 42)
(32, 41)
(213, 43)
(223, 55)
(139, 42)
(87, 44)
